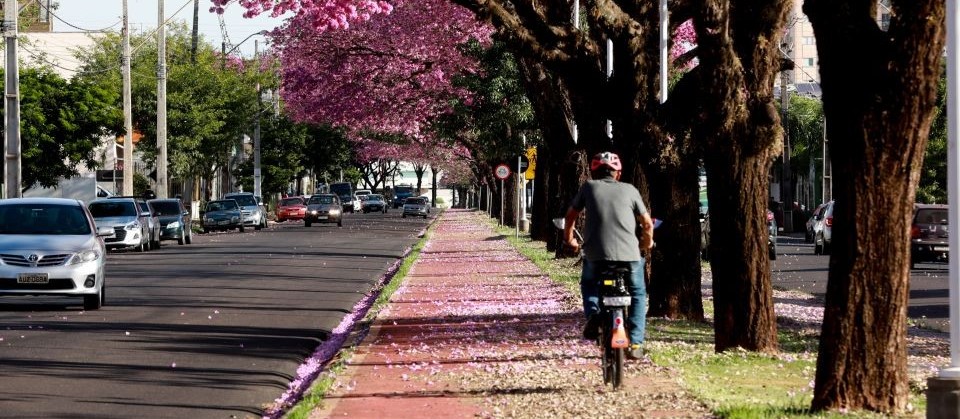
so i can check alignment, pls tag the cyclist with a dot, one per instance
(616, 216)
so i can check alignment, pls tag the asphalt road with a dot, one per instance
(798, 268)
(215, 329)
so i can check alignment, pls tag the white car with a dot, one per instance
(51, 246)
(126, 217)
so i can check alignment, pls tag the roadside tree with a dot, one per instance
(879, 94)
(63, 123)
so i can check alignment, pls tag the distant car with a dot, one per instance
(130, 223)
(772, 231)
(223, 214)
(323, 208)
(175, 221)
(823, 231)
(374, 203)
(812, 223)
(415, 206)
(929, 234)
(51, 246)
(253, 212)
(292, 208)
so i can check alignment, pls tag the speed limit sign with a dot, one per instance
(502, 171)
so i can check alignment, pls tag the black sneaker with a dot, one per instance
(635, 352)
(591, 331)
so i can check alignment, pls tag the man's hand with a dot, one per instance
(646, 231)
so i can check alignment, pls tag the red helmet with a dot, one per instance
(605, 159)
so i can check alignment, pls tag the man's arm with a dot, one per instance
(568, 222)
(646, 231)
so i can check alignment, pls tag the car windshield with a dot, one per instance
(166, 207)
(113, 209)
(286, 202)
(320, 199)
(375, 197)
(415, 201)
(245, 200)
(43, 219)
(221, 206)
(932, 216)
(144, 208)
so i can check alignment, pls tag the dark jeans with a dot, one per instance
(636, 318)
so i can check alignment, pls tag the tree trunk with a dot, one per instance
(879, 93)
(739, 62)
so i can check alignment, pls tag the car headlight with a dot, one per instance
(132, 226)
(313, 212)
(334, 211)
(84, 256)
(175, 224)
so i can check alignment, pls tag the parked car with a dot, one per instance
(253, 212)
(324, 208)
(175, 220)
(51, 246)
(772, 232)
(131, 225)
(374, 203)
(415, 206)
(153, 222)
(823, 231)
(292, 208)
(223, 214)
(812, 223)
(929, 234)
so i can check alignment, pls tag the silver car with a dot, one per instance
(130, 224)
(415, 206)
(51, 246)
(253, 213)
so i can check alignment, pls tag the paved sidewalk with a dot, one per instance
(476, 330)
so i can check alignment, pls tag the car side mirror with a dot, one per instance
(186, 213)
(104, 231)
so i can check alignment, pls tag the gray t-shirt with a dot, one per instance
(610, 232)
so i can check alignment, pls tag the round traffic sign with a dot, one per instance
(502, 171)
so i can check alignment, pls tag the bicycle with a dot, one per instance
(614, 302)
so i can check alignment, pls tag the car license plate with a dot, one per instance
(322, 217)
(223, 223)
(941, 248)
(33, 278)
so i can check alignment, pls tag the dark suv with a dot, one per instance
(929, 234)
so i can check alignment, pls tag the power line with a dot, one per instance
(75, 26)
(154, 31)
(43, 57)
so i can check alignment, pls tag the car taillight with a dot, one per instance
(914, 231)
(828, 221)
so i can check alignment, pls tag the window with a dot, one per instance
(809, 61)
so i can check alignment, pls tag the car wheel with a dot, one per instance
(306, 223)
(190, 236)
(182, 240)
(95, 301)
(242, 228)
(206, 230)
(156, 245)
(340, 222)
(280, 220)
(403, 216)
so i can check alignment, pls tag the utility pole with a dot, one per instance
(664, 48)
(786, 178)
(127, 168)
(256, 128)
(162, 191)
(11, 106)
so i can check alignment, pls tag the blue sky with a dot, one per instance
(106, 14)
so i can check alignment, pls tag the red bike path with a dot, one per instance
(477, 330)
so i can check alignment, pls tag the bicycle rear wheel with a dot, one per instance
(608, 354)
(616, 376)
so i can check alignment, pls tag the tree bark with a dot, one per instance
(879, 94)
(739, 62)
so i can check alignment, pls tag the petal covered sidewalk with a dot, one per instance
(476, 330)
